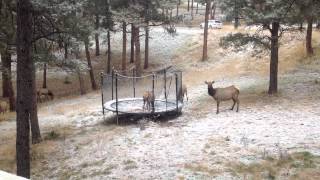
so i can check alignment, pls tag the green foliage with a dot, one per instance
(240, 40)
(7, 24)
(231, 8)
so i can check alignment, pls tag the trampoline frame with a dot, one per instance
(114, 82)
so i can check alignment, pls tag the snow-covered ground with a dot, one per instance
(167, 150)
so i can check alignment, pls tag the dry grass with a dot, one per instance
(299, 165)
(7, 157)
(203, 168)
(291, 55)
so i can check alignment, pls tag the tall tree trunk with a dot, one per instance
(205, 34)
(167, 14)
(79, 74)
(137, 53)
(146, 55)
(210, 8)
(192, 9)
(197, 9)
(301, 26)
(213, 11)
(109, 53)
(124, 46)
(273, 84)
(34, 123)
(65, 50)
(132, 44)
(6, 72)
(318, 25)
(96, 36)
(35, 129)
(177, 14)
(236, 15)
(309, 37)
(24, 86)
(146, 42)
(44, 81)
(81, 82)
(188, 5)
(7, 87)
(92, 79)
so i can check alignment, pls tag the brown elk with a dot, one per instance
(183, 92)
(224, 94)
(148, 100)
(4, 107)
(44, 94)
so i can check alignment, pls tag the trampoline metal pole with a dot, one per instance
(112, 77)
(117, 99)
(101, 75)
(152, 103)
(165, 87)
(177, 98)
(134, 82)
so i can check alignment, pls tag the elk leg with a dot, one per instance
(218, 107)
(238, 105)
(234, 103)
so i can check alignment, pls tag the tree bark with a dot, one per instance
(132, 44)
(210, 8)
(7, 87)
(191, 9)
(273, 84)
(177, 12)
(34, 122)
(92, 79)
(6, 72)
(236, 15)
(96, 36)
(81, 82)
(188, 5)
(109, 53)
(65, 50)
(146, 55)
(213, 11)
(24, 86)
(124, 46)
(197, 9)
(79, 74)
(205, 34)
(44, 81)
(137, 53)
(309, 37)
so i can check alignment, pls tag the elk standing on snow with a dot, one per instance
(183, 92)
(4, 106)
(224, 94)
(148, 100)
(45, 94)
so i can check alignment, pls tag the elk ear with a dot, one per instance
(213, 82)
(206, 82)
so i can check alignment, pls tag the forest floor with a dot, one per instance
(271, 137)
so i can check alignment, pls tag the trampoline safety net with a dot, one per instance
(123, 94)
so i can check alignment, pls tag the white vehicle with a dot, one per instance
(213, 24)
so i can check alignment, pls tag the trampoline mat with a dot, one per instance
(135, 106)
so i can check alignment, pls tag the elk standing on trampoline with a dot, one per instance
(148, 101)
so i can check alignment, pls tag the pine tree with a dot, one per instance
(270, 15)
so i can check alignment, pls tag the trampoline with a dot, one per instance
(122, 95)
